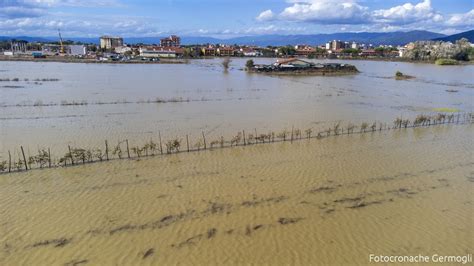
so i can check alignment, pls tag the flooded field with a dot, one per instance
(83, 104)
(312, 202)
(328, 201)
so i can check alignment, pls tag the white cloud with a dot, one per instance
(408, 16)
(36, 8)
(326, 12)
(77, 27)
(20, 11)
(466, 19)
(408, 13)
(266, 15)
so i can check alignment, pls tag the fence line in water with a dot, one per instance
(80, 156)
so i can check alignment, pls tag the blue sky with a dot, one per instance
(225, 18)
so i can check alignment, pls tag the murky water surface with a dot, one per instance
(220, 103)
(317, 202)
(332, 201)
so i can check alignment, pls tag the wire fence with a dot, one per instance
(123, 150)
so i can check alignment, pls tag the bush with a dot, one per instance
(446, 62)
(250, 64)
(398, 74)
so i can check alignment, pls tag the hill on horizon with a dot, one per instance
(469, 35)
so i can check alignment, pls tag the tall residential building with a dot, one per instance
(336, 45)
(172, 41)
(109, 42)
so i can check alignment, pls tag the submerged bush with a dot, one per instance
(249, 64)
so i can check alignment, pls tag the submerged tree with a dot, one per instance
(249, 64)
(226, 64)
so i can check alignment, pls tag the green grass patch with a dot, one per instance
(446, 62)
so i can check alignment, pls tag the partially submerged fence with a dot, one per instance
(123, 150)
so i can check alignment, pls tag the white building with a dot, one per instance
(77, 50)
(354, 45)
(160, 53)
(401, 51)
(122, 49)
(328, 46)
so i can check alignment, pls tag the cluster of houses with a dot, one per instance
(114, 48)
(171, 47)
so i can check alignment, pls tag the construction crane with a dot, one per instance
(62, 51)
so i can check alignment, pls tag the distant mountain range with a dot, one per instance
(375, 38)
(452, 38)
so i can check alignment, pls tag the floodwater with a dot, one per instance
(331, 201)
(220, 103)
(313, 202)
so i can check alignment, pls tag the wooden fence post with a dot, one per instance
(204, 138)
(243, 132)
(106, 150)
(49, 157)
(9, 162)
(187, 142)
(70, 155)
(292, 129)
(161, 146)
(24, 158)
(128, 150)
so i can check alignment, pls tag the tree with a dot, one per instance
(470, 53)
(226, 63)
(250, 64)
(351, 51)
(461, 56)
(287, 50)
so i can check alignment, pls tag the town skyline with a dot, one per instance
(212, 18)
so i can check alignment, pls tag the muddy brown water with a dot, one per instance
(220, 103)
(311, 202)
